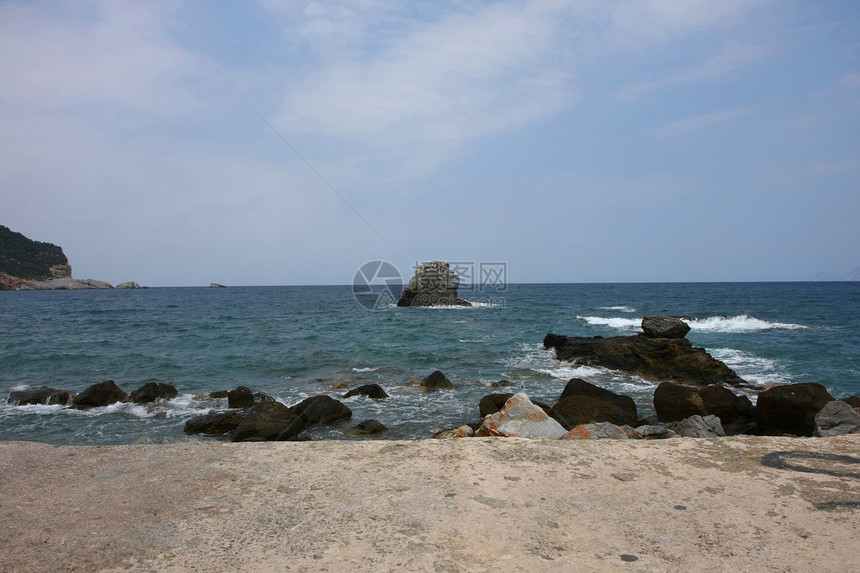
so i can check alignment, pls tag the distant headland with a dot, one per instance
(26, 264)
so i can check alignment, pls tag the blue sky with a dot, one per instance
(593, 141)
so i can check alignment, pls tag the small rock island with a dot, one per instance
(433, 284)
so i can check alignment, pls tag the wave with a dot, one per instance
(740, 323)
(368, 369)
(613, 322)
(754, 369)
(726, 324)
(619, 307)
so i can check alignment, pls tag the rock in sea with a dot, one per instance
(433, 284)
(101, 394)
(654, 358)
(38, 395)
(372, 391)
(521, 418)
(436, 381)
(664, 327)
(152, 391)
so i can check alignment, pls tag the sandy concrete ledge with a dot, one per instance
(488, 504)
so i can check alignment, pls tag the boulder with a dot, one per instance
(373, 391)
(367, 427)
(152, 391)
(735, 412)
(268, 421)
(835, 419)
(97, 395)
(652, 358)
(214, 423)
(492, 403)
(577, 410)
(450, 433)
(38, 395)
(579, 387)
(244, 398)
(652, 432)
(790, 409)
(853, 401)
(675, 402)
(597, 431)
(433, 284)
(698, 427)
(320, 410)
(520, 417)
(664, 327)
(436, 381)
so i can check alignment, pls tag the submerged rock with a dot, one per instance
(436, 381)
(38, 395)
(835, 419)
(664, 327)
(521, 418)
(98, 395)
(790, 409)
(433, 284)
(653, 358)
(373, 391)
(366, 428)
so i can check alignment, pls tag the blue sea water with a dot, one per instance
(294, 342)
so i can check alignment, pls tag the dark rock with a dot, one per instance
(654, 358)
(101, 394)
(501, 384)
(152, 391)
(790, 409)
(368, 427)
(664, 327)
(735, 412)
(219, 394)
(698, 427)
(214, 423)
(835, 419)
(268, 421)
(38, 395)
(433, 284)
(320, 410)
(579, 387)
(436, 381)
(373, 391)
(675, 402)
(243, 397)
(575, 411)
(853, 401)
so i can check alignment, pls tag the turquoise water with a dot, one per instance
(295, 342)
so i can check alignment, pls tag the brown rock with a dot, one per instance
(675, 402)
(790, 409)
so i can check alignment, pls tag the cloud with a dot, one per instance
(700, 122)
(734, 56)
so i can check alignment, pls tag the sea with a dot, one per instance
(298, 341)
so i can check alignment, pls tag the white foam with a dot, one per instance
(613, 322)
(752, 368)
(737, 324)
(619, 307)
(368, 369)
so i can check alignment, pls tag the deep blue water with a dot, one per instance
(294, 342)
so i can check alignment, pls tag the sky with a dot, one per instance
(277, 142)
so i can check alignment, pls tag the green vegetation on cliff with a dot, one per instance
(27, 259)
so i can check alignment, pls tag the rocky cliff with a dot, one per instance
(23, 258)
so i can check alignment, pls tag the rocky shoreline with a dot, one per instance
(697, 401)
